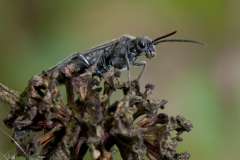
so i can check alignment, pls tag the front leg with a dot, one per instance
(128, 68)
(141, 63)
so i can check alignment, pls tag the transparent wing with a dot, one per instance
(75, 56)
(101, 46)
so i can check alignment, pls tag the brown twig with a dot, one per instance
(8, 95)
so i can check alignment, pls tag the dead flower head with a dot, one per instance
(88, 122)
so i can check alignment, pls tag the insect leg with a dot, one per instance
(74, 58)
(141, 63)
(128, 68)
(84, 59)
(95, 65)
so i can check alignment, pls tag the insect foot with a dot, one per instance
(89, 121)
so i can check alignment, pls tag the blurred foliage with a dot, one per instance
(201, 83)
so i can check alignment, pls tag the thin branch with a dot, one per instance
(8, 95)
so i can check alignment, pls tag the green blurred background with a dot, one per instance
(201, 83)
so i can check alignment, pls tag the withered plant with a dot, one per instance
(46, 127)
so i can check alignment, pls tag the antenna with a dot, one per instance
(179, 40)
(164, 36)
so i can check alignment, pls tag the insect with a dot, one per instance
(119, 53)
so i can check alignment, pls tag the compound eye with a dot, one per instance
(141, 43)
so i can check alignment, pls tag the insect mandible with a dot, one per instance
(119, 53)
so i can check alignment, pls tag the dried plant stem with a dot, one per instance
(8, 95)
